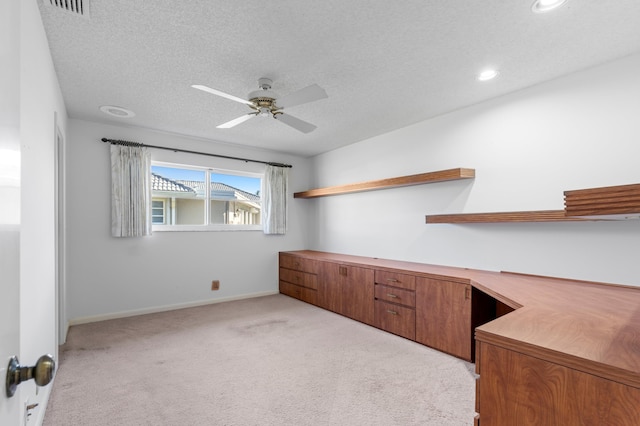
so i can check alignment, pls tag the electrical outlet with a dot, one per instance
(215, 285)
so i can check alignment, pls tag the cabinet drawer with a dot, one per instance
(305, 294)
(298, 263)
(396, 279)
(396, 295)
(395, 319)
(303, 279)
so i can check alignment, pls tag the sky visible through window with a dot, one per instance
(245, 183)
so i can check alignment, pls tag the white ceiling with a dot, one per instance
(384, 64)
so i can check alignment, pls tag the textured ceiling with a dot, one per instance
(384, 65)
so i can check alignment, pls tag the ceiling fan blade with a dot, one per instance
(296, 123)
(302, 96)
(237, 121)
(219, 93)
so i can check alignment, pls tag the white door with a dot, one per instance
(9, 313)
(10, 410)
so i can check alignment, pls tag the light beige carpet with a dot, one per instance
(264, 361)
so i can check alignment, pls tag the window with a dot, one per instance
(157, 212)
(197, 198)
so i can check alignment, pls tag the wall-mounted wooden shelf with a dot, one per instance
(621, 201)
(593, 204)
(431, 177)
(500, 217)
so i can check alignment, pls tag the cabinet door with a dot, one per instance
(357, 293)
(329, 287)
(443, 316)
(518, 389)
(347, 290)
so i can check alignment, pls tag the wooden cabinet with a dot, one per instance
(443, 316)
(298, 278)
(517, 389)
(347, 290)
(395, 303)
(438, 312)
(550, 351)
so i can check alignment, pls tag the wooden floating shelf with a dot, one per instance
(594, 204)
(611, 200)
(431, 177)
(500, 217)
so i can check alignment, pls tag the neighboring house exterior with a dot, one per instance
(182, 202)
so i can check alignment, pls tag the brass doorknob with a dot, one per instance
(41, 373)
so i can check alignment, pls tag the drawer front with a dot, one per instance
(303, 279)
(395, 319)
(396, 295)
(305, 294)
(298, 263)
(396, 279)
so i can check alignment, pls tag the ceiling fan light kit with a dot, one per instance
(266, 102)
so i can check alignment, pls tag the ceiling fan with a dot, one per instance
(265, 102)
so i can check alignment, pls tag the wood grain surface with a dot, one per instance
(430, 177)
(501, 217)
(443, 316)
(517, 389)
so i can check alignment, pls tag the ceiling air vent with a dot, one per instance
(76, 7)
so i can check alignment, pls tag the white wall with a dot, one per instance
(116, 276)
(40, 102)
(576, 132)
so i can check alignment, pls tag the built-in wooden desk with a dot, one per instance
(548, 351)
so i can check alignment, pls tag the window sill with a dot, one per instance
(205, 228)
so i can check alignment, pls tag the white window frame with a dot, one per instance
(207, 227)
(164, 211)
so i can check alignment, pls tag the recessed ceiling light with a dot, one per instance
(117, 111)
(487, 74)
(541, 6)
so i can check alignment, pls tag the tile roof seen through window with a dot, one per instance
(163, 184)
(198, 186)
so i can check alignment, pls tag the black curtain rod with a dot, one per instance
(247, 160)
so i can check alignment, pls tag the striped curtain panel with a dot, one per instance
(130, 191)
(274, 200)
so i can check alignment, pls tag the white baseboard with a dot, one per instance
(63, 338)
(124, 314)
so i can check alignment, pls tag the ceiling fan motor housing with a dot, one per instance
(264, 99)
